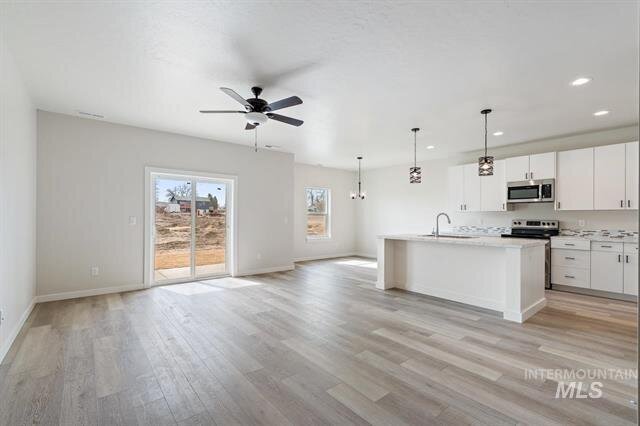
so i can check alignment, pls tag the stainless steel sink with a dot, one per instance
(446, 236)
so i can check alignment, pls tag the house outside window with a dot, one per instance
(318, 212)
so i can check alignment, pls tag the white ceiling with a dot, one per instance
(367, 71)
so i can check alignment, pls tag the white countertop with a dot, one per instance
(473, 241)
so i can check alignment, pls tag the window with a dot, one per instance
(317, 213)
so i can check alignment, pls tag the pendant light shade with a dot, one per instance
(360, 194)
(485, 163)
(415, 172)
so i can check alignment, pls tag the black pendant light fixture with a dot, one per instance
(485, 163)
(360, 194)
(415, 172)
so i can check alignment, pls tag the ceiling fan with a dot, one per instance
(258, 111)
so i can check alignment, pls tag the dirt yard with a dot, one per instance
(173, 239)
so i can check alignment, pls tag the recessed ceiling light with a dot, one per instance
(580, 81)
(498, 133)
(430, 147)
(599, 113)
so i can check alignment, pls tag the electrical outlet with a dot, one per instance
(581, 223)
(95, 271)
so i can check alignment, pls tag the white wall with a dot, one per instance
(91, 179)
(17, 200)
(342, 214)
(395, 206)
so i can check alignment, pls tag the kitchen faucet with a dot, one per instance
(438, 222)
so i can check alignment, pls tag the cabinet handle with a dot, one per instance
(460, 207)
(628, 203)
(526, 176)
(626, 259)
(603, 246)
(558, 204)
(621, 203)
(531, 175)
(619, 258)
(569, 244)
(502, 206)
(570, 258)
(569, 276)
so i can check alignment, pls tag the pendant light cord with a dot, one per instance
(485, 135)
(414, 149)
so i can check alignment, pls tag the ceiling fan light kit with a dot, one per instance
(485, 163)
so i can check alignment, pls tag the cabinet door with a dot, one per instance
(607, 271)
(632, 175)
(631, 274)
(471, 188)
(517, 168)
(574, 183)
(609, 177)
(542, 166)
(493, 189)
(456, 188)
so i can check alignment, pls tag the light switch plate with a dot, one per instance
(581, 223)
(95, 271)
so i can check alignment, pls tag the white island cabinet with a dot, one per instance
(502, 274)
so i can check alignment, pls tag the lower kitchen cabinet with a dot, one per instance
(631, 269)
(607, 271)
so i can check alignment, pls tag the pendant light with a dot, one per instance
(360, 195)
(415, 172)
(485, 163)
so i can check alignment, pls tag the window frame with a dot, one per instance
(327, 235)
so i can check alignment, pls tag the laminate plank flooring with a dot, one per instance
(314, 346)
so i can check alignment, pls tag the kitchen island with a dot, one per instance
(502, 274)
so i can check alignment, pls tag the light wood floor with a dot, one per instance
(318, 345)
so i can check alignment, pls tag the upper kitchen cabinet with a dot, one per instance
(493, 196)
(472, 188)
(631, 171)
(530, 167)
(574, 183)
(542, 166)
(609, 177)
(517, 168)
(615, 183)
(464, 188)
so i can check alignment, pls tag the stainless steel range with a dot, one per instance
(538, 229)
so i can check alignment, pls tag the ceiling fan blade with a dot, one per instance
(284, 103)
(250, 126)
(284, 119)
(221, 112)
(235, 96)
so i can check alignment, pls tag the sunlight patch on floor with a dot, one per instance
(362, 263)
(189, 289)
(230, 283)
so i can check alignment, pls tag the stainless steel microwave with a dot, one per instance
(531, 191)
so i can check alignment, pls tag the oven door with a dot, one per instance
(523, 192)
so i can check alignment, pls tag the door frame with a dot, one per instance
(231, 257)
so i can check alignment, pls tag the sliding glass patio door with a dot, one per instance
(190, 227)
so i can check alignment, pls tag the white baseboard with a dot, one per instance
(324, 256)
(16, 329)
(527, 312)
(85, 293)
(265, 270)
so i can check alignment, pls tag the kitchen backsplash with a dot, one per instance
(608, 234)
(480, 230)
